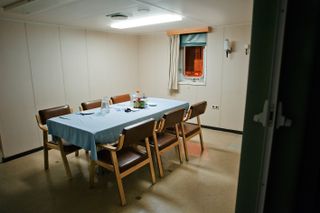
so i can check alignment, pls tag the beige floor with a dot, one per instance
(207, 183)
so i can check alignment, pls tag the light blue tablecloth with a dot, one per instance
(87, 130)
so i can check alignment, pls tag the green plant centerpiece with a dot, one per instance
(139, 103)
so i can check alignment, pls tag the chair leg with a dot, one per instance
(159, 162)
(200, 133)
(184, 141)
(179, 152)
(201, 141)
(118, 178)
(92, 173)
(151, 168)
(46, 157)
(65, 160)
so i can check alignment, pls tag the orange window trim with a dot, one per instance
(194, 62)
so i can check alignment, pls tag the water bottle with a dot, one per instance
(133, 98)
(105, 105)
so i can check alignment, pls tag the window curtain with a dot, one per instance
(174, 62)
(196, 39)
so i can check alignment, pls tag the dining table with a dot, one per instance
(88, 128)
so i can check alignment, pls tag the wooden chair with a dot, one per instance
(120, 98)
(56, 143)
(125, 157)
(90, 104)
(189, 130)
(164, 140)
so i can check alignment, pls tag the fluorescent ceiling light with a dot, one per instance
(146, 21)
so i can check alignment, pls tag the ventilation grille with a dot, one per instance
(118, 16)
(32, 6)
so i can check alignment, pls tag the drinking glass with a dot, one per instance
(105, 104)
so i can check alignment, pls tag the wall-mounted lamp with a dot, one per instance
(227, 47)
(247, 48)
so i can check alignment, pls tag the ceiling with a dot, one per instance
(91, 14)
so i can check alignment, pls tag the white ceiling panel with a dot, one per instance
(91, 14)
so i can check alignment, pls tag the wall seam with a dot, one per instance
(31, 74)
(30, 66)
(62, 68)
(221, 85)
(88, 67)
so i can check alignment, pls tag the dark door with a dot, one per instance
(279, 166)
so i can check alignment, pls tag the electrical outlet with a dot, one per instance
(215, 107)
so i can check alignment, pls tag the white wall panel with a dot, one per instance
(234, 78)
(122, 62)
(97, 64)
(45, 56)
(113, 64)
(212, 91)
(74, 66)
(154, 65)
(19, 132)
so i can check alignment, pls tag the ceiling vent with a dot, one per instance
(118, 16)
(32, 6)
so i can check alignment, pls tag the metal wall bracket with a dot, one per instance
(264, 116)
(281, 119)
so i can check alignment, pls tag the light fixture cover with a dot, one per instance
(227, 47)
(226, 44)
(150, 20)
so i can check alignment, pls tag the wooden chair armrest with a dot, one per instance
(159, 125)
(44, 128)
(41, 126)
(187, 116)
(113, 148)
(108, 147)
(156, 126)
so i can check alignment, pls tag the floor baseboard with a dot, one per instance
(222, 129)
(21, 154)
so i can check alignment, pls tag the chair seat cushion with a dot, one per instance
(164, 140)
(127, 157)
(189, 129)
(64, 142)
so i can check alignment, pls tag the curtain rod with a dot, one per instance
(189, 31)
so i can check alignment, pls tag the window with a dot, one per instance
(192, 69)
(193, 63)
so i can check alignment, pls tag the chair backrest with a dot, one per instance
(198, 109)
(45, 114)
(120, 98)
(136, 133)
(91, 104)
(172, 118)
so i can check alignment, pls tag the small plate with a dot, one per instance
(152, 104)
(86, 113)
(133, 109)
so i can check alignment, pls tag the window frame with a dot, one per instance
(187, 80)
